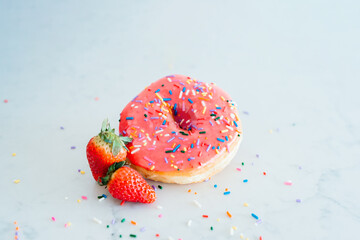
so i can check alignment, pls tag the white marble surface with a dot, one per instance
(292, 66)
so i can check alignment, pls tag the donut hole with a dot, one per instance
(184, 117)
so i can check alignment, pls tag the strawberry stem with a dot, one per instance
(115, 166)
(116, 142)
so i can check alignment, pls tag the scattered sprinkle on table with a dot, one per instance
(73, 147)
(215, 186)
(227, 193)
(298, 200)
(229, 215)
(254, 216)
(133, 222)
(97, 220)
(123, 220)
(288, 183)
(16, 231)
(246, 204)
(245, 180)
(14, 154)
(6, 101)
(16, 181)
(53, 219)
(133, 235)
(197, 203)
(189, 222)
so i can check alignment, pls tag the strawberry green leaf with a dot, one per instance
(113, 140)
(123, 145)
(105, 125)
(115, 166)
(125, 139)
(116, 147)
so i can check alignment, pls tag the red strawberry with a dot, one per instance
(126, 184)
(105, 149)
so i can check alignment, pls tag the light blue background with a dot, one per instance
(292, 65)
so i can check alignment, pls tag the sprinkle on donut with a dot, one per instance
(178, 123)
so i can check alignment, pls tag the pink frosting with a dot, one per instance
(178, 123)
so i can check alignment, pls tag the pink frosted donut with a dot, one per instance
(183, 130)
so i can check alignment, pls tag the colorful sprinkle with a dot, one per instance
(197, 204)
(189, 223)
(288, 183)
(254, 216)
(97, 220)
(129, 118)
(176, 148)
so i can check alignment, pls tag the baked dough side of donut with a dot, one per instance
(193, 175)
